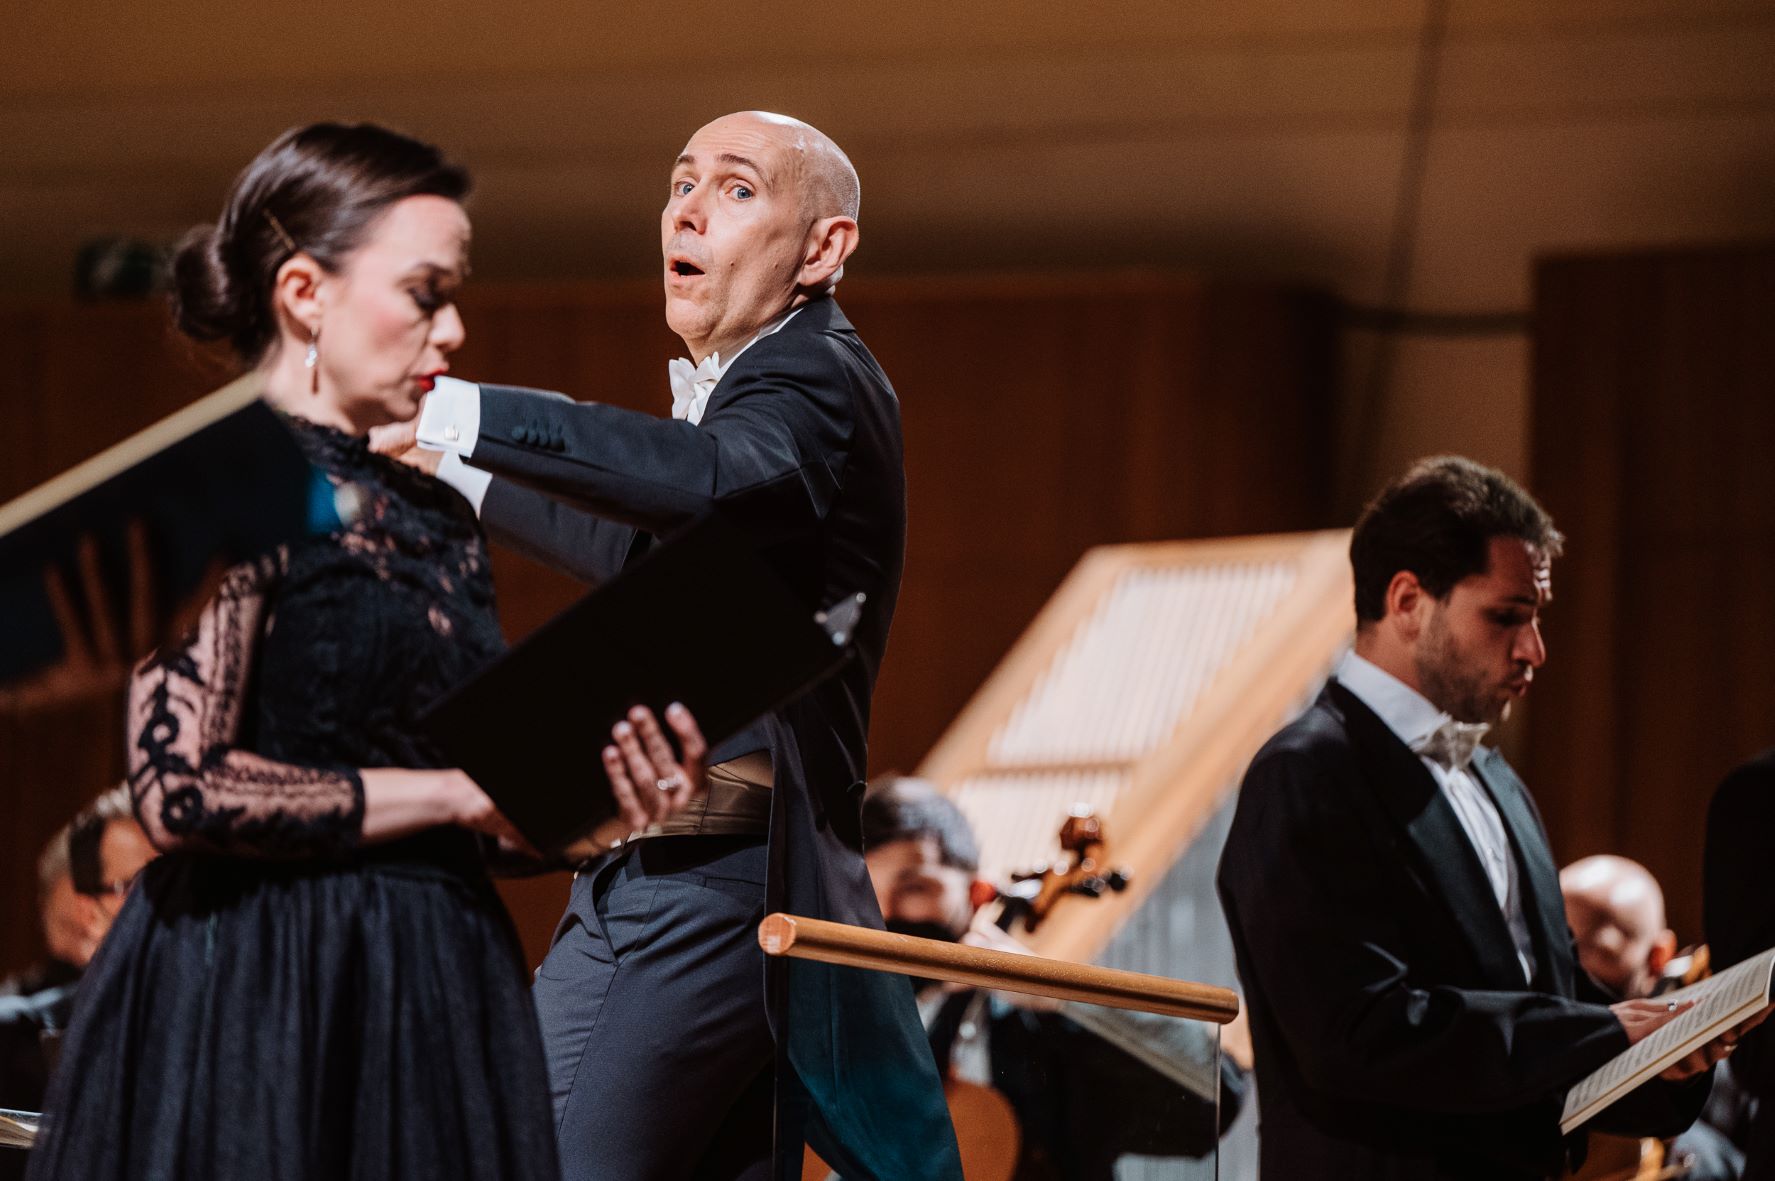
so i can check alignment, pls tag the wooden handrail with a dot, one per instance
(18, 1129)
(884, 951)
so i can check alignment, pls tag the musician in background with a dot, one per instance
(106, 850)
(1081, 1102)
(1416, 1009)
(91, 864)
(66, 922)
(81, 878)
(1615, 909)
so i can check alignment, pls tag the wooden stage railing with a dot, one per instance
(884, 951)
(18, 1129)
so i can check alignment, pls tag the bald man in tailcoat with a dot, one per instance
(668, 1037)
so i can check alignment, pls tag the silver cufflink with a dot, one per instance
(452, 434)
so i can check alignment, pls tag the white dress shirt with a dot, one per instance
(451, 419)
(1412, 718)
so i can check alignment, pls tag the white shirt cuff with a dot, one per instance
(451, 420)
(470, 481)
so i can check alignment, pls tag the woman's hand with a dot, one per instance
(650, 784)
(398, 803)
(473, 809)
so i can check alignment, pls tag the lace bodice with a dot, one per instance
(246, 737)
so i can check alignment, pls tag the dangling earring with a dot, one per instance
(312, 360)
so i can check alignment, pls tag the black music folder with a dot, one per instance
(702, 619)
(221, 481)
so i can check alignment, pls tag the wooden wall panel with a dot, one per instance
(1654, 411)
(1043, 415)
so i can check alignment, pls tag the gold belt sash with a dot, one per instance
(736, 804)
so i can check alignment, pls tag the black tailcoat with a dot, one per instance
(1395, 1037)
(800, 440)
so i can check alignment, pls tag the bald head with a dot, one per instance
(762, 215)
(820, 171)
(1616, 911)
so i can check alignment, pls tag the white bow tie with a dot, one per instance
(1452, 743)
(692, 385)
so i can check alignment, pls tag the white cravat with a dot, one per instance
(692, 385)
(1453, 744)
(1447, 748)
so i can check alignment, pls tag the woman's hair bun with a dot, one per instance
(316, 190)
(205, 300)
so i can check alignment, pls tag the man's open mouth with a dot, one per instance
(682, 267)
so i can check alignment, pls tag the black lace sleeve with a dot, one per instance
(194, 788)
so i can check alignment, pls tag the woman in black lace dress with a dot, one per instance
(317, 980)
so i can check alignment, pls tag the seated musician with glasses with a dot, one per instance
(100, 851)
(62, 920)
(1080, 1102)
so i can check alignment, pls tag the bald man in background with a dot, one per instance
(666, 1034)
(1615, 909)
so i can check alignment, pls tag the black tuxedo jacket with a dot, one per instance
(1394, 1034)
(1739, 915)
(800, 441)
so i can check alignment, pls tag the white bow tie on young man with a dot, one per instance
(1452, 743)
(692, 385)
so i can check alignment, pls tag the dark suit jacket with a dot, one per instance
(1739, 916)
(800, 442)
(1394, 1035)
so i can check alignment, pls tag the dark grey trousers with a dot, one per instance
(651, 1001)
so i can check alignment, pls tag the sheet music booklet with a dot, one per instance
(701, 619)
(222, 480)
(1721, 1002)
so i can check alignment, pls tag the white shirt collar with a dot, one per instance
(1408, 713)
(1412, 718)
(693, 384)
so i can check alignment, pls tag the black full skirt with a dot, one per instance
(251, 1021)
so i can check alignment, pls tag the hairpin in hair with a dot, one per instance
(283, 235)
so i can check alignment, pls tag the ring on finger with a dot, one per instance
(670, 783)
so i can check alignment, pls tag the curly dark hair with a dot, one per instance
(1438, 521)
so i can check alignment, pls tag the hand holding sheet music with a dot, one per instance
(639, 757)
(530, 728)
(1716, 1007)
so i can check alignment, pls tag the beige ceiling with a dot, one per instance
(1264, 137)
